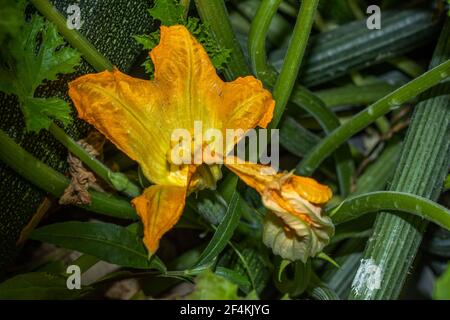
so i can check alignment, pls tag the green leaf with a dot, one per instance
(209, 286)
(210, 205)
(148, 42)
(38, 286)
(169, 12)
(40, 54)
(223, 233)
(442, 286)
(106, 241)
(37, 53)
(251, 262)
(284, 263)
(235, 277)
(354, 207)
(219, 56)
(322, 255)
(295, 282)
(38, 112)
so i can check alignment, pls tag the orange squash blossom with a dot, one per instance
(139, 116)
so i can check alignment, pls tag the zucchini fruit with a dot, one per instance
(109, 25)
(353, 46)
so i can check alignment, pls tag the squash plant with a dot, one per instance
(364, 135)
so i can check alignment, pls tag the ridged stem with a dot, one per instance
(214, 14)
(366, 117)
(48, 179)
(421, 170)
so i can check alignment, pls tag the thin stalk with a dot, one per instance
(293, 59)
(408, 66)
(357, 206)
(89, 52)
(46, 178)
(364, 118)
(257, 41)
(300, 96)
(214, 14)
(116, 179)
(354, 95)
(356, 10)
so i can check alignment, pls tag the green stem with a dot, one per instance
(214, 14)
(116, 179)
(89, 52)
(408, 66)
(354, 95)
(257, 41)
(186, 4)
(288, 9)
(356, 10)
(355, 207)
(370, 114)
(300, 96)
(55, 183)
(293, 59)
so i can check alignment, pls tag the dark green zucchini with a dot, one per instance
(109, 25)
(353, 46)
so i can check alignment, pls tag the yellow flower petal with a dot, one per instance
(254, 175)
(261, 178)
(311, 190)
(159, 208)
(128, 112)
(183, 67)
(292, 239)
(139, 116)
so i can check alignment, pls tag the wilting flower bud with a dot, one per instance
(295, 227)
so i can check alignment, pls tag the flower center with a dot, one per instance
(184, 153)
